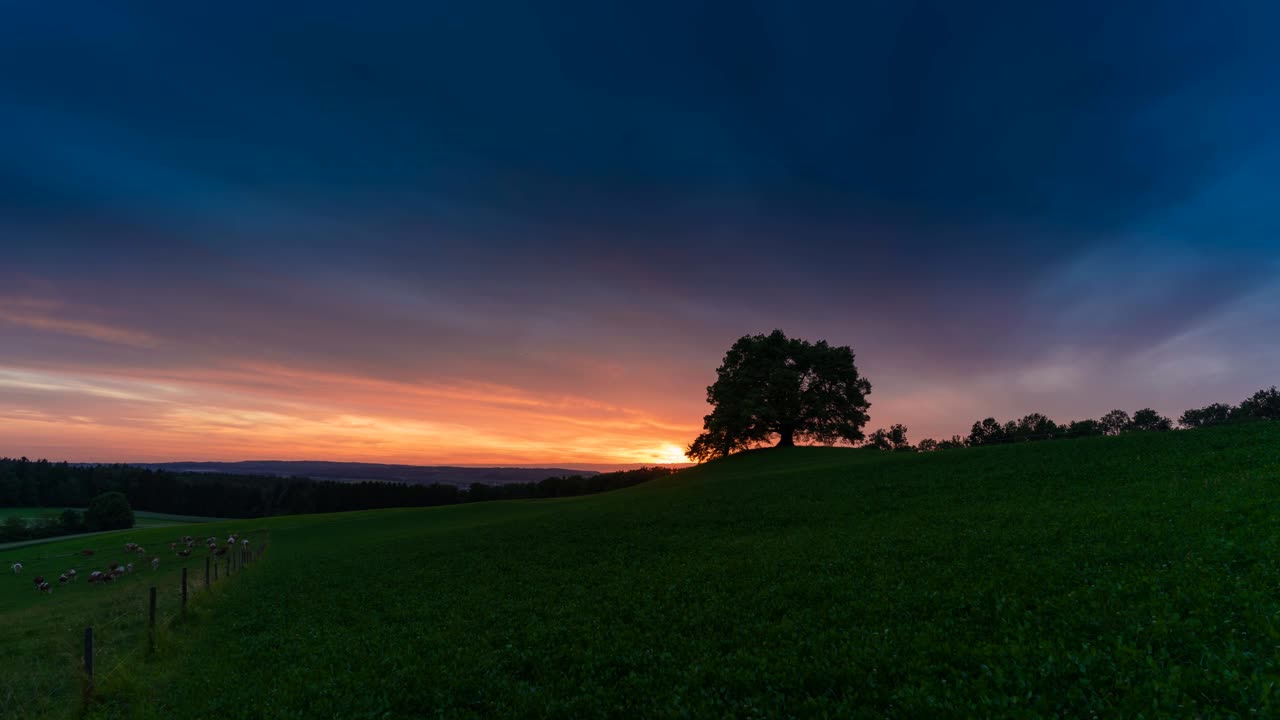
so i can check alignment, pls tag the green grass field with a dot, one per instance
(1130, 576)
(143, 518)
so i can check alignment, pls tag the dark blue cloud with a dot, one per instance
(1070, 115)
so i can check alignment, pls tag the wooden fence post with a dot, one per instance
(228, 564)
(151, 623)
(184, 589)
(215, 571)
(206, 572)
(88, 655)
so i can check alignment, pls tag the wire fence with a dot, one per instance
(166, 608)
(93, 646)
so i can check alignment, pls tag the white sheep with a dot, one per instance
(17, 568)
(155, 563)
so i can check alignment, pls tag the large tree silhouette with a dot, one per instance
(771, 386)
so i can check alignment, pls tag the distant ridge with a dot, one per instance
(356, 471)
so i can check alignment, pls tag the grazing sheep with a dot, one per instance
(72, 574)
(245, 543)
(155, 563)
(63, 579)
(38, 579)
(17, 568)
(130, 547)
(184, 552)
(128, 567)
(140, 550)
(95, 577)
(45, 588)
(112, 567)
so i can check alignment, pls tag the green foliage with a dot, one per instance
(71, 521)
(1215, 414)
(1036, 426)
(108, 511)
(1083, 428)
(895, 438)
(1115, 422)
(987, 432)
(772, 386)
(14, 528)
(1262, 405)
(1147, 419)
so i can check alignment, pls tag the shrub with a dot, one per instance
(109, 511)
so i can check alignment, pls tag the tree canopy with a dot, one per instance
(895, 438)
(771, 386)
(109, 511)
(1148, 419)
(1262, 405)
(1115, 422)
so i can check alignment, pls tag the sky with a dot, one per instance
(526, 232)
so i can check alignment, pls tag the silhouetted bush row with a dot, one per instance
(1262, 405)
(40, 483)
(108, 511)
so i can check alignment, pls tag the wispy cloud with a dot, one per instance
(44, 316)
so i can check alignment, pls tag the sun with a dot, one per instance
(669, 454)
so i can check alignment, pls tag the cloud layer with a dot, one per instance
(526, 233)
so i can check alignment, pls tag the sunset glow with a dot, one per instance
(271, 413)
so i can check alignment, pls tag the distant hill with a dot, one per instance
(355, 472)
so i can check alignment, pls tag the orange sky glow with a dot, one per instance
(272, 412)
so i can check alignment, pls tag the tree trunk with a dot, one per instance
(786, 438)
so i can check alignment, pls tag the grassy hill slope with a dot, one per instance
(1138, 574)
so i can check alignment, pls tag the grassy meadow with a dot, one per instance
(143, 518)
(1131, 576)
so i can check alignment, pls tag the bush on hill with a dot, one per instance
(108, 511)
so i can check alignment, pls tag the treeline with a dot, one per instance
(108, 511)
(1262, 405)
(15, 528)
(40, 483)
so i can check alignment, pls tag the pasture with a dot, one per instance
(1127, 576)
(41, 645)
(142, 517)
